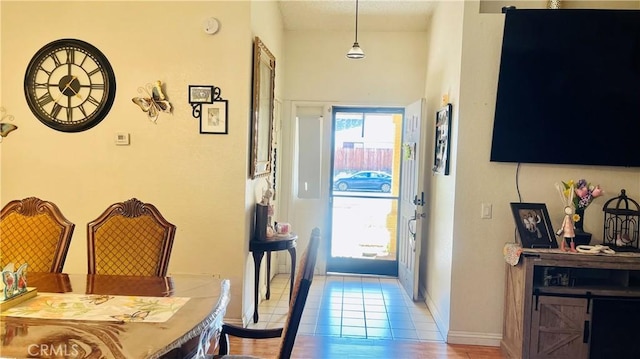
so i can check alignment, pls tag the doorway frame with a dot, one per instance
(357, 265)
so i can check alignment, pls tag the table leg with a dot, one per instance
(268, 275)
(292, 253)
(257, 259)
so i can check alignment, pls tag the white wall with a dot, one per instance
(266, 23)
(199, 182)
(443, 80)
(390, 74)
(477, 280)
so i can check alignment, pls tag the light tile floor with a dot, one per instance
(353, 307)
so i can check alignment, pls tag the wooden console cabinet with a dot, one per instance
(552, 299)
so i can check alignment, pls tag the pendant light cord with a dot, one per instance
(356, 21)
(356, 52)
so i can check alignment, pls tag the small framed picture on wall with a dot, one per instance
(200, 94)
(442, 141)
(214, 118)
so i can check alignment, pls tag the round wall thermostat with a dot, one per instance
(211, 25)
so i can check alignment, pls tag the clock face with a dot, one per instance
(69, 85)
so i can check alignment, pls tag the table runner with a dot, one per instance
(98, 307)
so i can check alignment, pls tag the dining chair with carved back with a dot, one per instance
(288, 333)
(130, 238)
(34, 231)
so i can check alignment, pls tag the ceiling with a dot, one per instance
(340, 15)
(402, 15)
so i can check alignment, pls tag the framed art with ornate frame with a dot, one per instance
(264, 66)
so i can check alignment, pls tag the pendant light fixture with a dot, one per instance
(356, 52)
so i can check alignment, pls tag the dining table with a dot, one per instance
(116, 317)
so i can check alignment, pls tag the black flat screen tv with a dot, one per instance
(569, 88)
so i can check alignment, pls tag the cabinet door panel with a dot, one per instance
(557, 328)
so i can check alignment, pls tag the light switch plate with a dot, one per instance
(486, 211)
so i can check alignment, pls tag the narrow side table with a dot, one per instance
(258, 248)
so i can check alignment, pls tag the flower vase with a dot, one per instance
(582, 237)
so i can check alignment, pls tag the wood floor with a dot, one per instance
(404, 335)
(326, 347)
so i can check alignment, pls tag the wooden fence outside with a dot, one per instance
(360, 159)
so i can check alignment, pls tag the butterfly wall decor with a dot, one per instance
(154, 102)
(5, 127)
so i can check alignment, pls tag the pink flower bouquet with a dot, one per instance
(585, 193)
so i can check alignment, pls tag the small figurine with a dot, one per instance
(567, 230)
(270, 232)
(266, 201)
(268, 193)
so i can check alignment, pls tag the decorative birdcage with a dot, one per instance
(621, 223)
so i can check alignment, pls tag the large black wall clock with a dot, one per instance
(69, 85)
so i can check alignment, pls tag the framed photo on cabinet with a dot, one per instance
(534, 225)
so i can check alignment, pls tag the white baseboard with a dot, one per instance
(474, 338)
(247, 318)
(441, 323)
(458, 337)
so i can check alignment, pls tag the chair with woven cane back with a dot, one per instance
(34, 231)
(130, 238)
(288, 333)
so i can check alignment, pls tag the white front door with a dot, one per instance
(411, 197)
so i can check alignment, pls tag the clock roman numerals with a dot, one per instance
(55, 59)
(84, 112)
(92, 100)
(56, 110)
(83, 60)
(45, 99)
(71, 56)
(93, 72)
